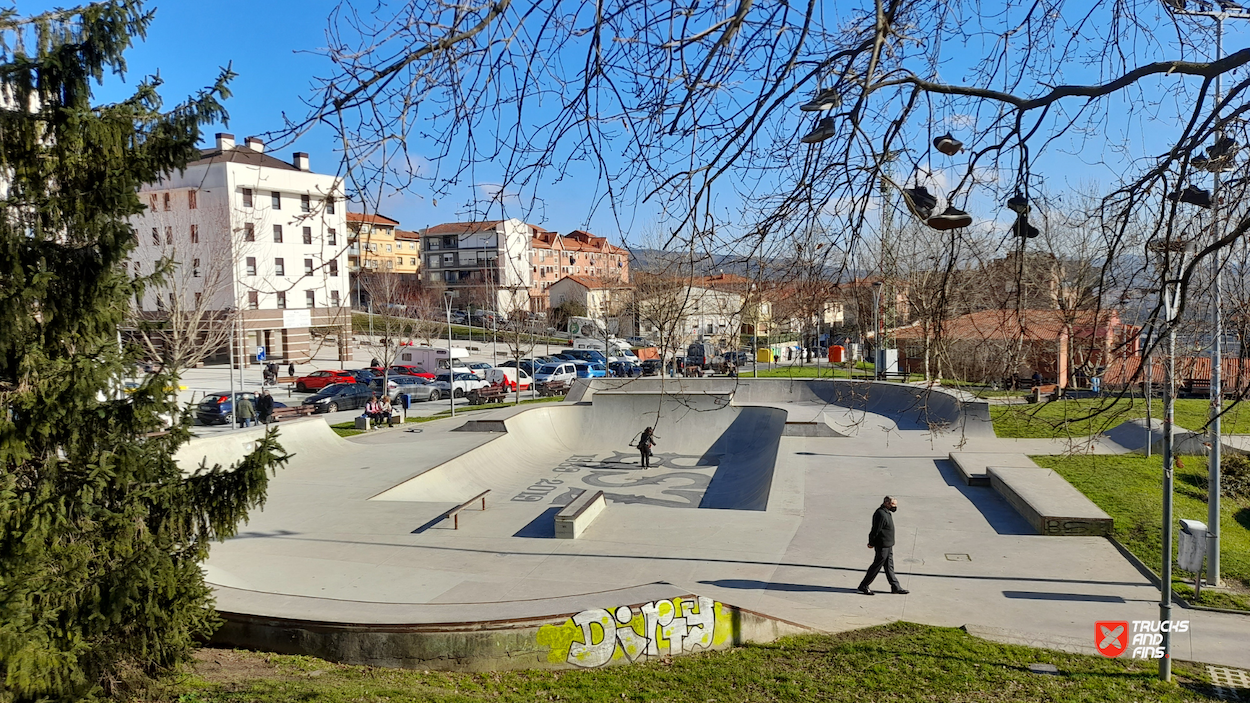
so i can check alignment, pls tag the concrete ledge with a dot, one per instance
(482, 426)
(971, 465)
(612, 633)
(809, 429)
(575, 517)
(1048, 502)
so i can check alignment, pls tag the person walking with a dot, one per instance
(645, 442)
(290, 370)
(246, 412)
(881, 539)
(264, 407)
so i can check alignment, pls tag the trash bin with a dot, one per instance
(837, 354)
(1193, 545)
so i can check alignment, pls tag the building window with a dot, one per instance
(432, 244)
(412, 261)
(167, 199)
(195, 268)
(334, 267)
(449, 276)
(279, 267)
(169, 235)
(136, 269)
(253, 300)
(249, 232)
(305, 204)
(449, 259)
(281, 300)
(307, 234)
(388, 247)
(276, 199)
(310, 298)
(332, 237)
(195, 232)
(191, 204)
(277, 234)
(172, 304)
(433, 261)
(330, 206)
(251, 265)
(156, 236)
(308, 267)
(152, 199)
(247, 197)
(449, 242)
(334, 298)
(198, 297)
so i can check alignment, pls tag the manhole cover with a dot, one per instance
(1229, 684)
(958, 557)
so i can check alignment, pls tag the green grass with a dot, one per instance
(1081, 418)
(1130, 488)
(898, 662)
(348, 429)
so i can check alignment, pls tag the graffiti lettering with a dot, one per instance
(679, 626)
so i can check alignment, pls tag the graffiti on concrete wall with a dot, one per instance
(676, 480)
(665, 627)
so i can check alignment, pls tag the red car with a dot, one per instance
(317, 380)
(412, 371)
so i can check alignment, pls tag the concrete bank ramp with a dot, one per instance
(695, 434)
(307, 436)
(907, 407)
(1134, 436)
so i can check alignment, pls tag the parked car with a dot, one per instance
(591, 369)
(216, 408)
(340, 396)
(652, 367)
(527, 365)
(624, 369)
(405, 370)
(460, 385)
(640, 341)
(415, 386)
(363, 375)
(479, 368)
(507, 376)
(739, 358)
(458, 317)
(585, 355)
(542, 359)
(317, 380)
(563, 371)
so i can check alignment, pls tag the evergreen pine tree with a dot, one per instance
(101, 535)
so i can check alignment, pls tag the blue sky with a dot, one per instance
(271, 47)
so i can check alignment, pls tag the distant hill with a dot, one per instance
(657, 261)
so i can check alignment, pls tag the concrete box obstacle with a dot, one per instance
(1048, 502)
(573, 520)
(971, 465)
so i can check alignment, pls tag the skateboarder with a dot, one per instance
(645, 442)
(881, 538)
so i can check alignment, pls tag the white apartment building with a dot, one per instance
(683, 314)
(484, 263)
(254, 233)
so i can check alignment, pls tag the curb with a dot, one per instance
(1154, 579)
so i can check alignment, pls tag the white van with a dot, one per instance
(432, 359)
(507, 376)
(558, 371)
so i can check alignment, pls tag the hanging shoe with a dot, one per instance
(1220, 154)
(947, 144)
(1021, 228)
(826, 99)
(1193, 196)
(1230, 6)
(919, 201)
(822, 131)
(951, 218)
(1200, 163)
(1018, 204)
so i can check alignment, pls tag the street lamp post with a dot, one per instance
(451, 375)
(876, 330)
(1216, 394)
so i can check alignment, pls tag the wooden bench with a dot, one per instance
(454, 513)
(1046, 392)
(489, 394)
(292, 411)
(573, 520)
(553, 388)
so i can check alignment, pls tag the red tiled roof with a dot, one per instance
(577, 240)
(595, 283)
(463, 227)
(405, 234)
(371, 219)
(1034, 325)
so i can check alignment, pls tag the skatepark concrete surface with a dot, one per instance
(751, 524)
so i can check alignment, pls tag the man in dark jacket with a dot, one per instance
(881, 538)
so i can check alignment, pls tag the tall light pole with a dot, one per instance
(451, 373)
(1215, 165)
(876, 330)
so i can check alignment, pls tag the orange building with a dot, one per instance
(554, 256)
